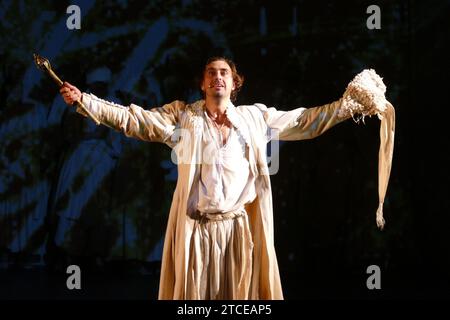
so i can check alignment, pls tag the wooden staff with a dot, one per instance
(44, 65)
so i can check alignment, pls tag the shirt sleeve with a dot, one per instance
(156, 125)
(301, 123)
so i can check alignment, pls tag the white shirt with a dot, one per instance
(226, 182)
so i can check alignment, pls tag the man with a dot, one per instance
(219, 238)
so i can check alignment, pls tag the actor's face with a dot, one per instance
(218, 80)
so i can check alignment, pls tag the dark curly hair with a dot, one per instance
(237, 78)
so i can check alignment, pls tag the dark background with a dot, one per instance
(71, 193)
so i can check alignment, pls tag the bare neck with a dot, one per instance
(216, 107)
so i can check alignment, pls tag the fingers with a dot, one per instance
(68, 99)
(70, 86)
(70, 93)
(65, 91)
(65, 88)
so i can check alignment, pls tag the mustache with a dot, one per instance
(217, 82)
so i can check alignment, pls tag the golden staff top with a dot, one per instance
(44, 65)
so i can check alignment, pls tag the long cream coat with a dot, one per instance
(254, 122)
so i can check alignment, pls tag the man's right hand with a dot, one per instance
(70, 93)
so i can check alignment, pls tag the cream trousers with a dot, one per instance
(220, 257)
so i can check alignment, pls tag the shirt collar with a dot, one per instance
(237, 122)
(234, 118)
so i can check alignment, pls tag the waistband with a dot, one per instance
(219, 216)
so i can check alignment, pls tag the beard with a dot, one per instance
(213, 93)
(218, 94)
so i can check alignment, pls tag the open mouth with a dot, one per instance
(217, 85)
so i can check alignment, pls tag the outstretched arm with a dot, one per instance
(364, 96)
(157, 124)
(302, 123)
